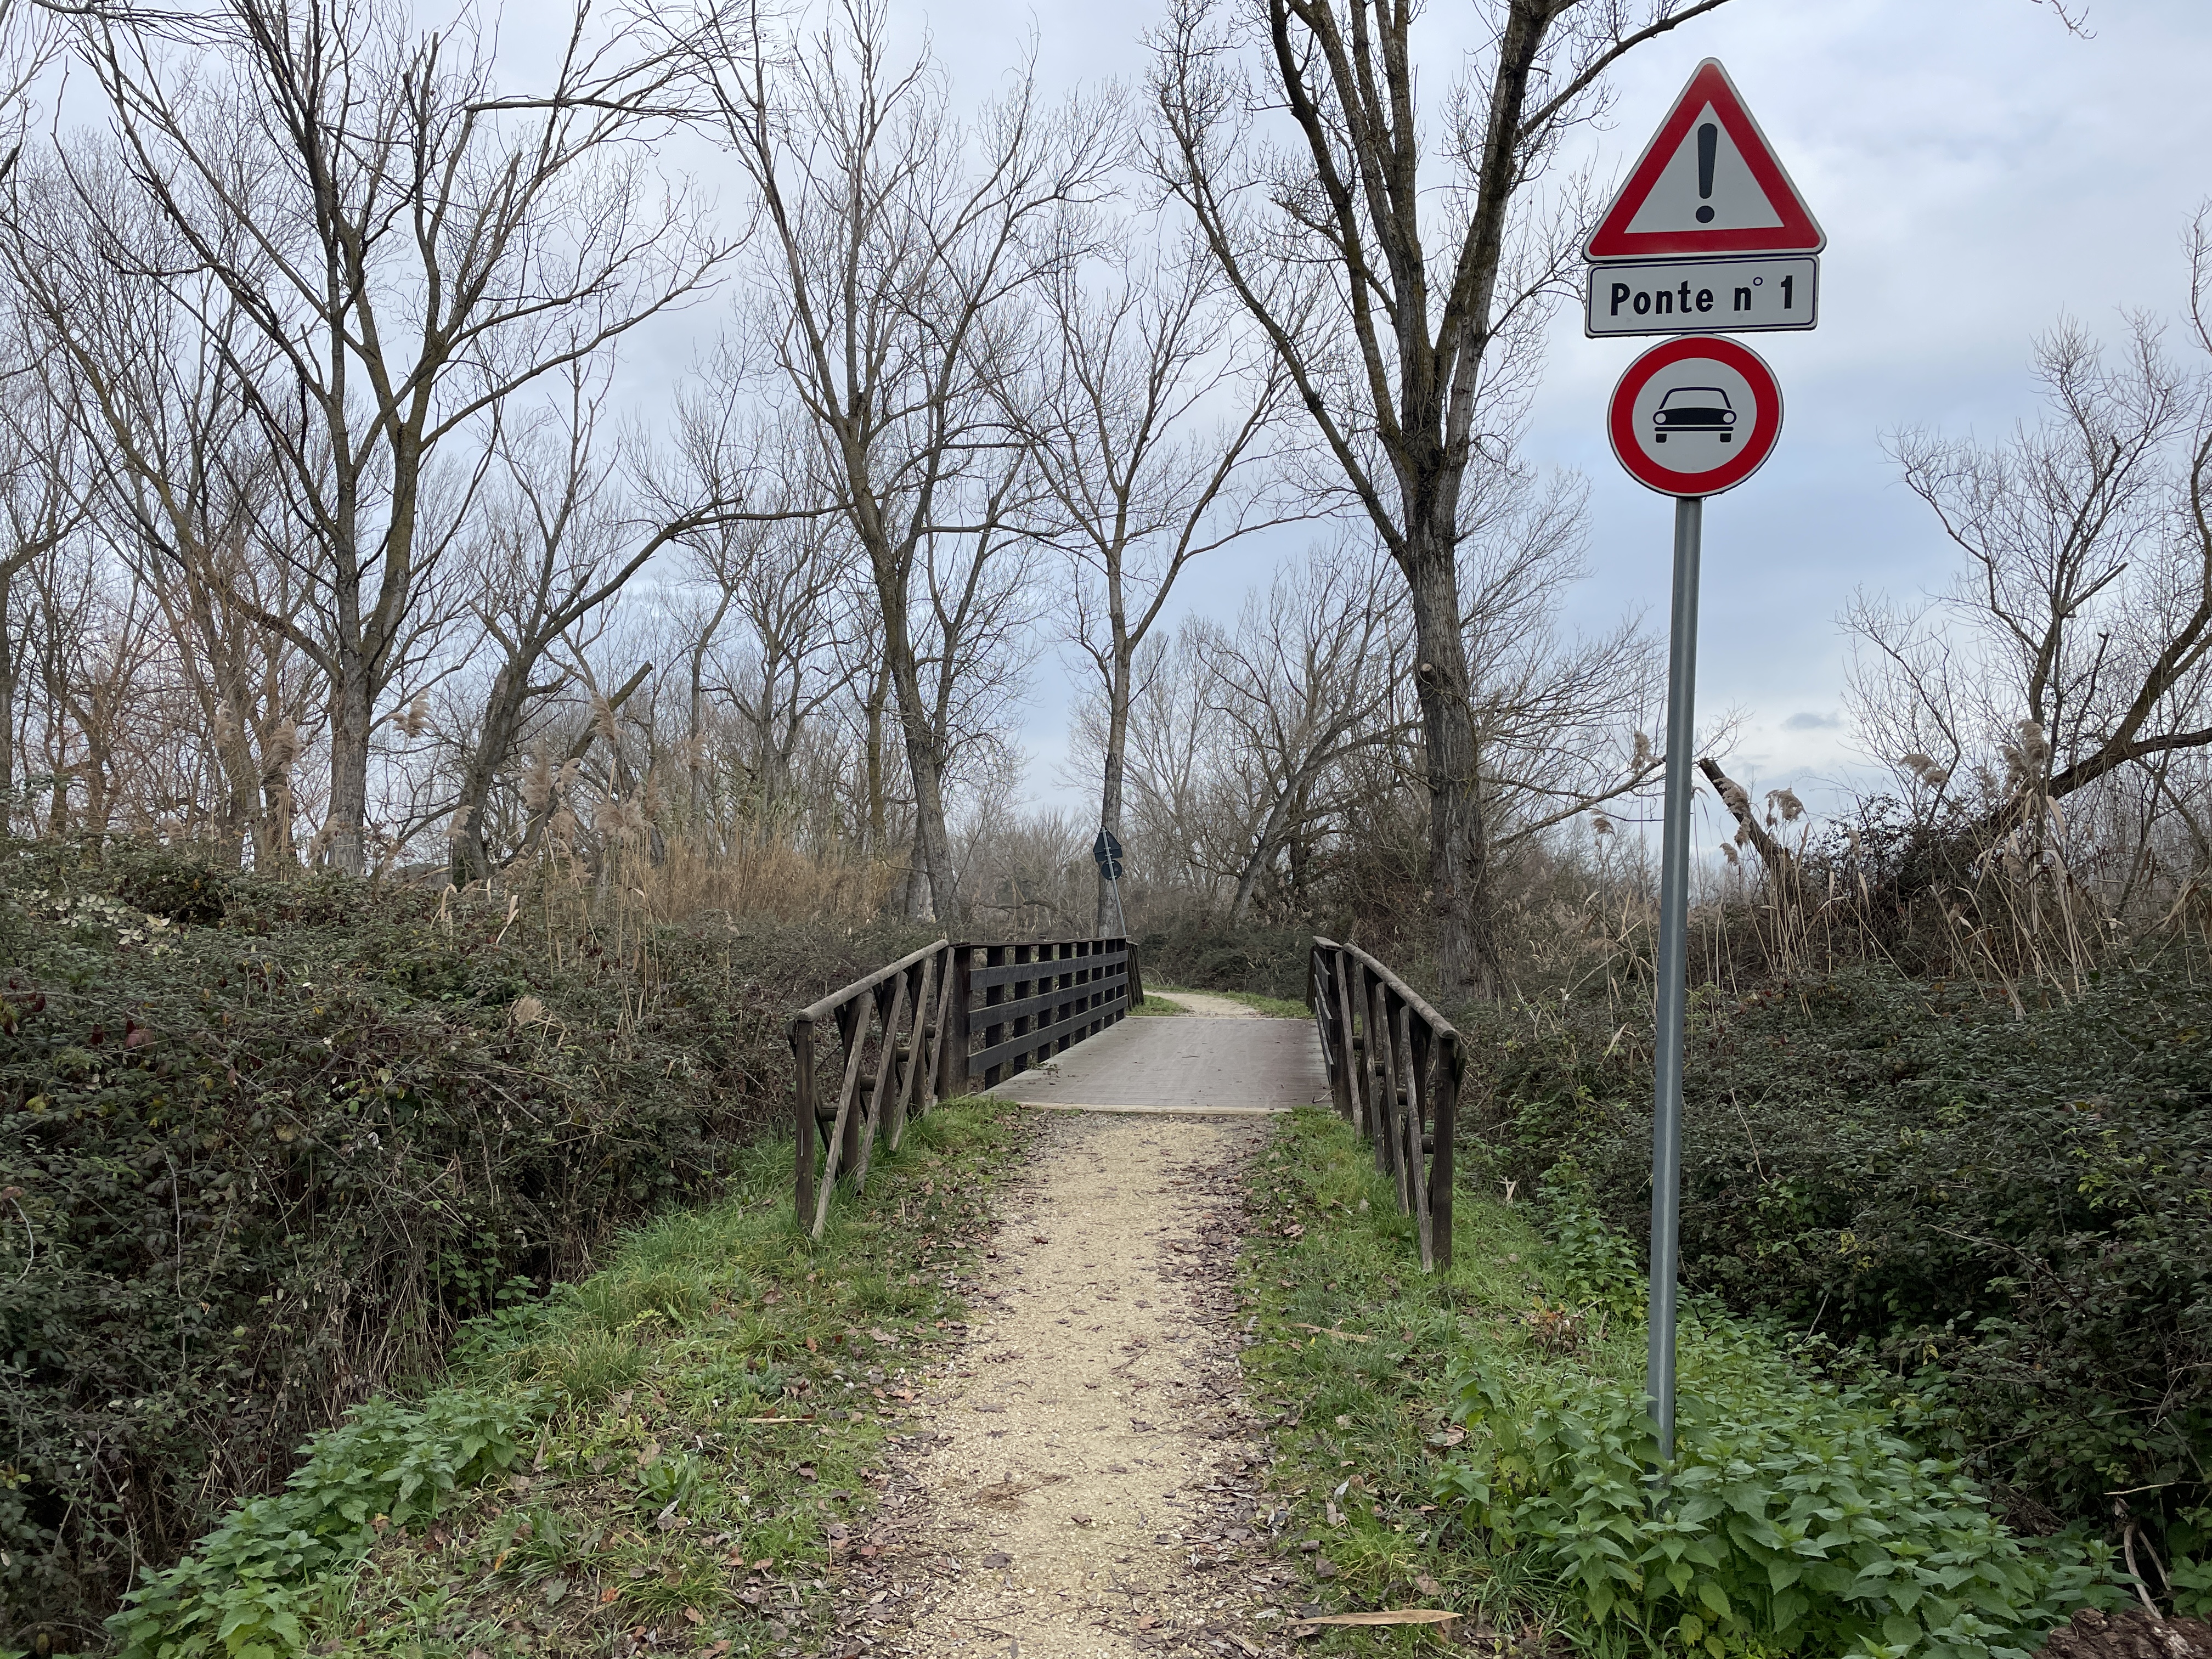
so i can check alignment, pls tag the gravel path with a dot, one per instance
(1208, 1006)
(1083, 1482)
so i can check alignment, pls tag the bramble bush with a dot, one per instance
(264, 1145)
(2014, 1210)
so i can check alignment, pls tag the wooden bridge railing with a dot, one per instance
(910, 1033)
(1393, 1070)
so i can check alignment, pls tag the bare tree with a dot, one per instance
(772, 641)
(2073, 649)
(900, 242)
(1564, 722)
(40, 504)
(562, 541)
(1151, 440)
(404, 249)
(1241, 738)
(1308, 678)
(1395, 300)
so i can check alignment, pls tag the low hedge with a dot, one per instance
(262, 1146)
(2013, 1206)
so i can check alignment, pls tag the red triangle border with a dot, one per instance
(1798, 232)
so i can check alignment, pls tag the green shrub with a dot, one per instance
(1598, 1268)
(1796, 1519)
(2020, 1202)
(264, 1145)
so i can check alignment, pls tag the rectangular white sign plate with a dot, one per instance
(1702, 296)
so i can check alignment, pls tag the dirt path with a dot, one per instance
(1208, 1006)
(1083, 1485)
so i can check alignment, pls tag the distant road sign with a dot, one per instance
(1106, 851)
(1702, 296)
(1695, 416)
(1708, 184)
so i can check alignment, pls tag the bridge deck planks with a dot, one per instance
(1221, 1067)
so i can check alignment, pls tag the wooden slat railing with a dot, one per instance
(1038, 998)
(1393, 1071)
(912, 1032)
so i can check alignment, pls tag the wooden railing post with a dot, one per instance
(1354, 1105)
(1449, 1062)
(994, 1033)
(804, 1128)
(955, 1078)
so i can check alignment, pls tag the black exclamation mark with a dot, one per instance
(1709, 148)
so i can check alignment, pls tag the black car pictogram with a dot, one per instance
(1694, 409)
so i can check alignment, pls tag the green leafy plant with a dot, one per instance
(2017, 1201)
(1793, 1517)
(244, 1590)
(1598, 1268)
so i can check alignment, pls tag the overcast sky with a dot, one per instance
(1979, 171)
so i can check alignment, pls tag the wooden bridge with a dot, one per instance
(1044, 1022)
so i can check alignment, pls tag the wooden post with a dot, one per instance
(1416, 1039)
(953, 1080)
(996, 1033)
(1440, 1161)
(853, 1019)
(851, 1023)
(911, 1093)
(890, 1001)
(1135, 991)
(1355, 1101)
(805, 1132)
(1339, 1074)
(1382, 1101)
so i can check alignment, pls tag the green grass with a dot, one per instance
(1471, 1440)
(1152, 1005)
(704, 1414)
(1361, 1418)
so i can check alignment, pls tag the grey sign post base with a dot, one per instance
(1673, 967)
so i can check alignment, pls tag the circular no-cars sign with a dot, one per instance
(1695, 416)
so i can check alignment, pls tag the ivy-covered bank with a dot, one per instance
(264, 1145)
(665, 1457)
(1473, 1442)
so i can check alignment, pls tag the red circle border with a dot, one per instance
(1621, 417)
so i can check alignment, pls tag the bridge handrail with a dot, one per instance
(917, 1015)
(1401, 1092)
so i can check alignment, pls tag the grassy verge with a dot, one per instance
(665, 1457)
(1153, 1005)
(1471, 1441)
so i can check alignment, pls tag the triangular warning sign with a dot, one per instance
(1707, 183)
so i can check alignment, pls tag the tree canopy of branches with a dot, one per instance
(1400, 301)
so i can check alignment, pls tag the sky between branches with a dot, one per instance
(1979, 172)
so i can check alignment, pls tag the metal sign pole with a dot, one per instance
(1106, 850)
(1673, 964)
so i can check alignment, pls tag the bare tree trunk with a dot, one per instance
(1459, 846)
(925, 766)
(1110, 918)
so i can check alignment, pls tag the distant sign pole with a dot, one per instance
(1106, 851)
(1707, 235)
